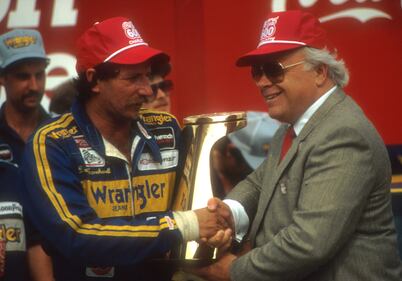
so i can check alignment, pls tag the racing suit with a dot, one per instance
(101, 216)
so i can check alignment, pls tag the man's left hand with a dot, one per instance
(218, 271)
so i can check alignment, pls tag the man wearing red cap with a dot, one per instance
(98, 181)
(320, 210)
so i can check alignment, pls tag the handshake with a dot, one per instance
(214, 226)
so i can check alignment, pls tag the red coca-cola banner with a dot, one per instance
(205, 37)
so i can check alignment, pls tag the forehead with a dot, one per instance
(281, 56)
(135, 68)
(27, 66)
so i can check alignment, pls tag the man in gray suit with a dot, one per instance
(322, 212)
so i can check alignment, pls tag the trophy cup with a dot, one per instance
(200, 133)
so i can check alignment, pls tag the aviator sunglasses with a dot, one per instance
(274, 71)
(166, 86)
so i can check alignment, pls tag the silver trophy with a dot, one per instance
(200, 133)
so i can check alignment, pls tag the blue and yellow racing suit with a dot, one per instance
(100, 215)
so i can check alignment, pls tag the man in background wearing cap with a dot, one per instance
(23, 62)
(99, 181)
(321, 211)
(239, 153)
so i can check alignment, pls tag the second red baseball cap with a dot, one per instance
(114, 40)
(285, 31)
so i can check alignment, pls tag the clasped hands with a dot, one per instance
(216, 228)
(216, 225)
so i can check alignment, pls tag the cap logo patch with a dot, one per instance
(269, 29)
(20, 42)
(132, 33)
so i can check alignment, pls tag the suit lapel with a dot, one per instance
(270, 184)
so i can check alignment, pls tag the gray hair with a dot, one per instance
(337, 70)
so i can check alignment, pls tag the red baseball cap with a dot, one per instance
(114, 40)
(284, 31)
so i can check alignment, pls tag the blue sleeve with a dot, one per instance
(58, 208)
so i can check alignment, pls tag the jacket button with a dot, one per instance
(284, 189)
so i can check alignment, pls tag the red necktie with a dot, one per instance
(287, 142)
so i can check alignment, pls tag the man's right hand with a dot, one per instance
(216, 204)
(210, 222)
(216, 225)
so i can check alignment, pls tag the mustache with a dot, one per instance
(30, 94)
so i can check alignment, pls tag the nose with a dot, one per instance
(145, 89)
(33, 83)
(161, 94)
(263, 81)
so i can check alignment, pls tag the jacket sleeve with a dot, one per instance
(58, 208)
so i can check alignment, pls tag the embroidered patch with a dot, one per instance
(268, 30)
(165, 137)
(170, 159)
(131, 32)
(90, 157)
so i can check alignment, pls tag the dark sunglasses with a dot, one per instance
(274, 71)
(166, 86)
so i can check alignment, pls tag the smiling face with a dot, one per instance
(24, 84)
(290, 98)
(121, 97)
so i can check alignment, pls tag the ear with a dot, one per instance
(321, 75)
(90, 75)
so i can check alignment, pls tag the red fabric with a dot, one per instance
(285, 31)
(114, 40)
(287, 142)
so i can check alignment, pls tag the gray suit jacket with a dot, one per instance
(324, 212)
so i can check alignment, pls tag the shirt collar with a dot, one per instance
(298, 126)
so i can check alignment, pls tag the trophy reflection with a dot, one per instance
(200, 133)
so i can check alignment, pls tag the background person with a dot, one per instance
(321, 209)
(22, 74)
(98, 182)
(161, 88)
(63, 97)
(239, 153)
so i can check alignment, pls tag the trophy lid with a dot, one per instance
(217, 117)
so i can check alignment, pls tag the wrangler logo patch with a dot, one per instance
(157, 119)
(116, 198)
(11, 226)
(63, 133)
